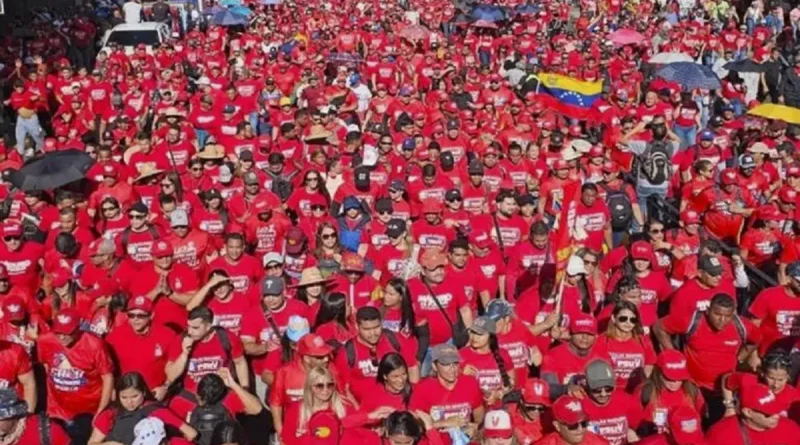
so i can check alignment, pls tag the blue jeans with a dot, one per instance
(738, 107)
(643, 192)
(687, 135)
(202, 135)
(28, 127)
(427, 362)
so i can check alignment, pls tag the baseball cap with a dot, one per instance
(690, 217)
(149, 431)
(247, 155)
(325, 428)
(295, 241)
(568, 410)
(583, 324)
(272, 257)
(66, 322)
(102, 246)
(297, 328)
(12, 229)
(104, 287)
(431, 205)
(452, 195)
(250, 178)
(395, 227)
(672, 364)
(475, 168)
(433, 258)
(351, 202)
(610, 167)
(536, 392)
(758, 397)
(162, 249)
(272, 286)
(793, 270)
(140, 303)
(409, 144)
(685, 426)
(642, 250)
(384, 205)
(179, 218)
(497, 309)
(599, 374)
(768, 213)
(706, 135)
(14, 308)
(787, 194)
(710, 264)
(397, 186)
(445, 354)
(497, 425)
(314, 345)
(729, 176)
(483, 325)
(353, 262)
(480, 239)
(746, 161)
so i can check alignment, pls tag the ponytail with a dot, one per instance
(501, 366)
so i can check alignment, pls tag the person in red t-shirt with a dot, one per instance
(631, 352)
(571, 425)
(776, 310)
(593, 218)
(716, 341)
(17, 427)
(204, 349)
(568, 359)
(684, 427)
(141, 346)
(16, 372)
(774, 372)
(758, 423)
(612, 413)
(79, 371)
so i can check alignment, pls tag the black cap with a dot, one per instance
(361, 177)
(384, 205)
(428, 171)
(447, 161)
(710, 264)
(139, 207)
(275, 158)
(525, 199)
(475, 168)
(397, 185)
(452, 195)
(395, 227)
(246, 155)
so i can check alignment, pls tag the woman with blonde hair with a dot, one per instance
(320, 394)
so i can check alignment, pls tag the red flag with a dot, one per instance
(566, 221)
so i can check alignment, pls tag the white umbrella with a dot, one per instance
(667, 58)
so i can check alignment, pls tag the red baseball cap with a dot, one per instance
(12, 229)
(560, 164)
(568, 410)
(480, 239)
(642, 250)
(162, 249)
(14, 308)
(352, 262)
(768, 213)
(729, 176)
(324, 428)
(110, 170)
(583, 324)
(536, 392)
(793, 171)
(610, 167)
(690, 217)
(430, 205)
(787, 195)
(672, 364)
(759, 397)
(140, 303)
(685, 426)
(103, 288)
(596, 152)
(66, 322)
(313, 344)
(60, 277)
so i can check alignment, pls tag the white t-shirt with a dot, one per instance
(364, 95)
(133, 12)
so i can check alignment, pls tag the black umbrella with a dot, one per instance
(52, 170)
(744, 66)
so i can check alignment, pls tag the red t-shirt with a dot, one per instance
(594, 221)
(728, 432)
(180, 278)
(628, 358)
(441, 403)
(692, 296)
(207, 357)
(487, 370)
(14, 361)
(74, 383)
(143, 353)
(787, 397)
(451, 297)
(564, 363)
(612, 420)
(32, 436)
(779, 313)
(364, 370)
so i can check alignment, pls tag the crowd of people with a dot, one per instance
(357, 222)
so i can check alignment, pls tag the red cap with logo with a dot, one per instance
(568, 410)
(536, 392)
(11, 228)
(162, 249)
(729, 177)
(60, 277)
(583, 324)
(787, 195)
(685, 426)
(140, 303)
(759, 397)
(66, 322)
(14, 308)
(690, 217)
(314, 345)
(480, 239)
(672, 364)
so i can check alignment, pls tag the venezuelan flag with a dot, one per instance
(570, 91)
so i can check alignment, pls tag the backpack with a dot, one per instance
(350, 347)
(125, 235)
(349, 238)
(122, 430)
(620, 207)
(44, 428)
(176, 387)
(698, 316)
(205, 419)
(655, 164)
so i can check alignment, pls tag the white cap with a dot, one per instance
(272, 257)
(497, 424)
(178, 218)
(225, 174)
(149, 431)
(370, 156)
(576, 266)
(203, 81)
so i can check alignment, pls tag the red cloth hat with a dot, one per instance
(685, 426)
(583, 324)
(313, 344)
(162, 249)
(14, 308)
(536, 392)
(140, 303)
(66, 322)
(672, 364)
(758, 397)
(568, 410)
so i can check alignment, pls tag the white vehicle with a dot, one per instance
(129, 36)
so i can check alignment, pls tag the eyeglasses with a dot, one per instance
(196, 169)
(656, 230)
(385, 212)
(603, 390)
(109, 209)
(132, 316)
(627, 319)
(137, 216)
(575, 426)
(590, 263)
(386, 143)
(180, 227)
(327, 236)
(324, 386)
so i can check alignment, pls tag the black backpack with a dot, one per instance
(176, 387)
(350, 347)
(125, 235)
(124, 422)
(655, 164)
(205, 419)
(620, 207)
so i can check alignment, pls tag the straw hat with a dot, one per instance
(173, 112)
(310, 277)
(212, 152)
(148, 171)
(318, 135)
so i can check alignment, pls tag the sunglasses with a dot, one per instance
(537, 408)
(314, 179)
(575, 426)
(327, 236)
(627, 319)
(137, 216)
(180, 227)
(109, 209)
(132, 316)
(196, 169)
(12, 238)
(317, 207)
(323, 386)
(274, 266)
(656, 230)
(603, 390)
(590, 263)
(166, 184)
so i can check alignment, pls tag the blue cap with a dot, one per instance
(706, 135)
(409, 144)
(297, 328)
(727, 107)
(351, 202)
(229, 109)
